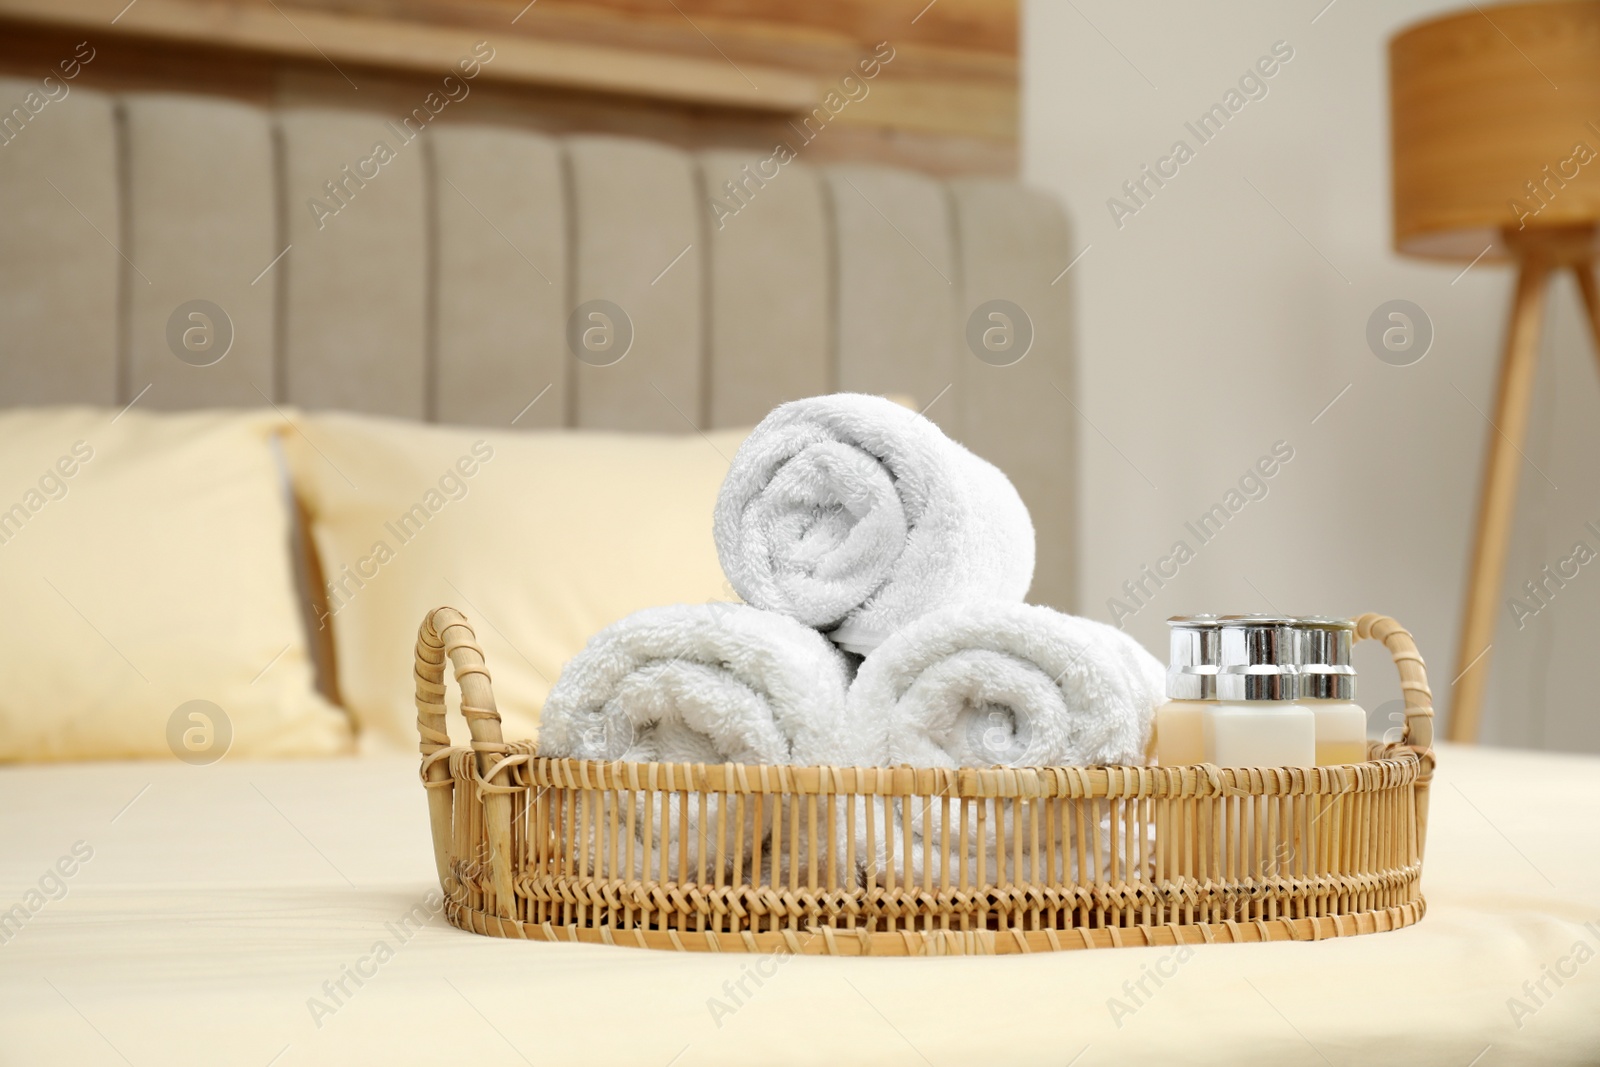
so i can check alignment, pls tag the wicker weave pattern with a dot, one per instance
(1002, 860)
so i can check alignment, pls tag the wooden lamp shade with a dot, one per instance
(1495, 119)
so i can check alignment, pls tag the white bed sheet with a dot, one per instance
(219, 900)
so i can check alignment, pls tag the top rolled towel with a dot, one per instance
(855, 515)
(1013, 684)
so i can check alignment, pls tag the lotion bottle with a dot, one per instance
(1256, 720)
(1191, 688)
(1328, 688)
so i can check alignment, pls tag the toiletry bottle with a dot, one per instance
(1256, 721)
(1191, 688)
(1328, 688)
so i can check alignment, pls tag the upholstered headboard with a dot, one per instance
(442, 275)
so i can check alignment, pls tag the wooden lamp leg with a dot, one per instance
(1591, 300)
(1499, 497)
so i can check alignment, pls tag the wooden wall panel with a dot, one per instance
(942, 95)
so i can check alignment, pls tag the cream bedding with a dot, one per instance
(211, 913)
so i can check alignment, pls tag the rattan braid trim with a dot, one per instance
(827, 941)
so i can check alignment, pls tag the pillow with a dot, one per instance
(540, 537)
(145, 565)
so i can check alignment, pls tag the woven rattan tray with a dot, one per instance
(882, 861)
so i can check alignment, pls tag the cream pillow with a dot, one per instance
(541, 538)
(144, 564)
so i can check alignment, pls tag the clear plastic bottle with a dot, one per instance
(1256, 720)
(1328, 688)
(1191, 688)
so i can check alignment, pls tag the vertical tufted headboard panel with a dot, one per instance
(432, 274)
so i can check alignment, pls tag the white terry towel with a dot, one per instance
(995, 683)
(853, 514)
(698, 683)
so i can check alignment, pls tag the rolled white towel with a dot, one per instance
(698, 683)
(994, 683)
(853, 514)
(988, 684)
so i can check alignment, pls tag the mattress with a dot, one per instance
(286, 913)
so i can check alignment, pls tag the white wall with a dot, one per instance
(1228, 311)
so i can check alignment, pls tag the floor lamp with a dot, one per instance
(1496, 150)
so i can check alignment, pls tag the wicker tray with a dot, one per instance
(570, 850)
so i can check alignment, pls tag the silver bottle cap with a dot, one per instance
(1323, 653)
(1257, 658)
(1196, 653)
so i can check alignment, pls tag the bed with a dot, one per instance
(234, 913)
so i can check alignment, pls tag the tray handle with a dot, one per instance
(444, 635)
(1417, 737)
